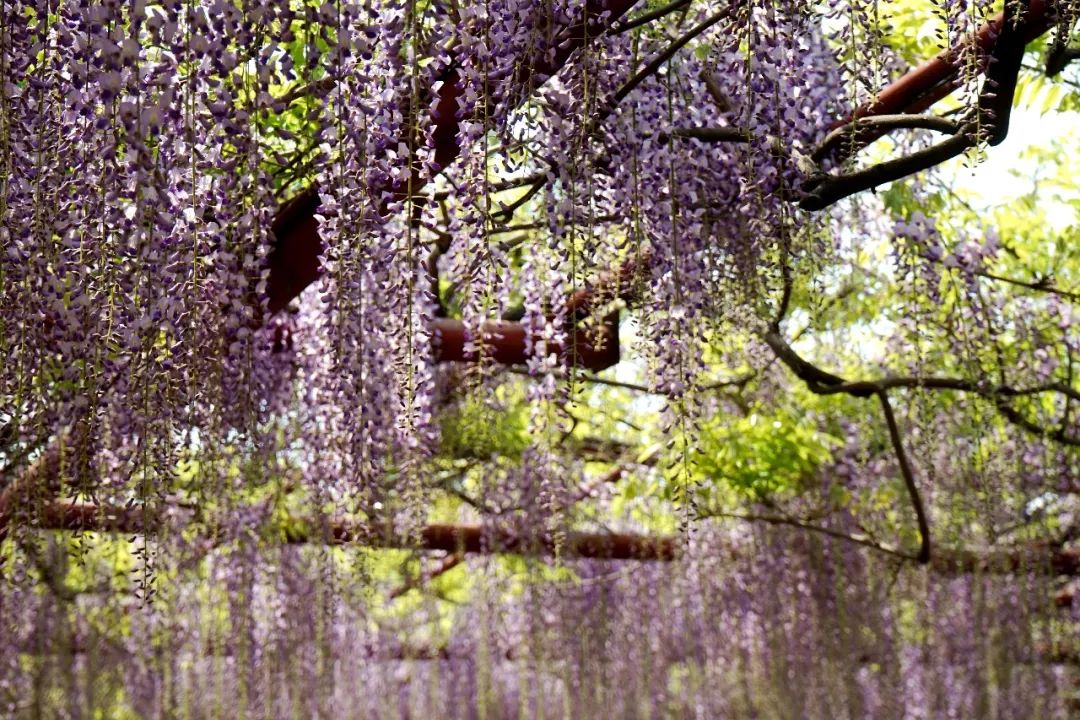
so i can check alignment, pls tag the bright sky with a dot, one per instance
(993, 182)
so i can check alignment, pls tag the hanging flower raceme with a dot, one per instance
(222, 494)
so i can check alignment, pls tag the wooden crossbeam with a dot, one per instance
(463, 538)
(1042, 558)
(294, 257)
(935, 79)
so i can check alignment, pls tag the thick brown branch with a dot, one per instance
(316, 88)
(825, 190)
(1057, 61)
(504, 342)
(1002, 72)
(881, 124)
(816, 379)
(864, 387)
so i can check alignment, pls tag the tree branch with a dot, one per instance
(1015, 417)
(657, 62)
(448, 563)
(909, 478)
(318, 87)
(820, 529)
(1057, 61)
(1040, 284)
(881, 124)
(713, 134)
(818, 380)
(646, 18)
(42, 478)
(864, 387)
(989, 122)
(824, 190)
(821, 382)
(1036, 556)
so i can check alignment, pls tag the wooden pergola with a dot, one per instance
(294, 265)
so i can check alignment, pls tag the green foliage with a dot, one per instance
(915, 29)
(1038, 92)
(770, 451)
(479, 429)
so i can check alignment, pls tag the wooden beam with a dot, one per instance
(452, 538)
(294, 258)
(922, 86)
(1041, 558)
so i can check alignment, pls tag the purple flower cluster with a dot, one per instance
(143, 149)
